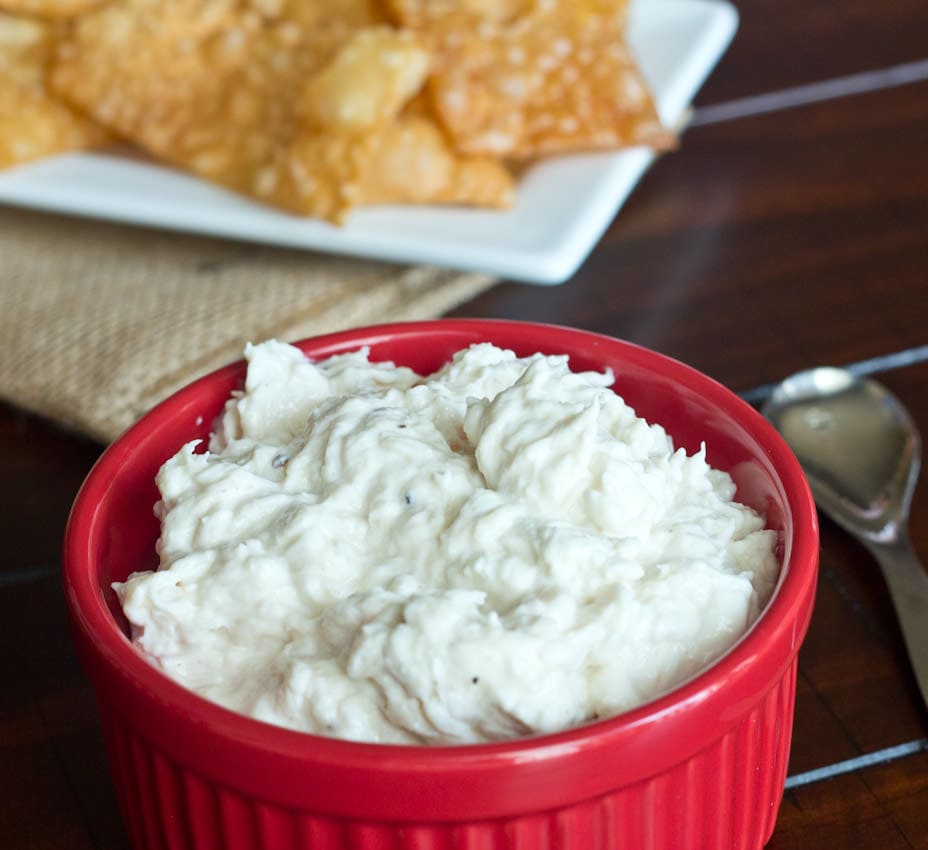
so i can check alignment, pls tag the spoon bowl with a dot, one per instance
(861, 451)
(858, 445)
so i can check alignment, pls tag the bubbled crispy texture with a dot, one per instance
(48, 8)
(366, 83)
(425, 13)
(199, 83)
(556, 77)
(32, 123)
(317, 106)
(24, 49)
(415, 164)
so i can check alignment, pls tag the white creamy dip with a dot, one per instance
(497, 549)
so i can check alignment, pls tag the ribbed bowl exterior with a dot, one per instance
(723, 798)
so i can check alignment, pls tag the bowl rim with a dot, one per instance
(95, 626)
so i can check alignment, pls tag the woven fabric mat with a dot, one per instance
(99, 322)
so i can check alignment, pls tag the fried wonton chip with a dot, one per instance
(33, 124)
(288, 102)
(428, 13)
(366, 83)
(24, 49)
(48, 8)
(414, 164)
(557, 76)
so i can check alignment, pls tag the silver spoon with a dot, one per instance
(861, 452)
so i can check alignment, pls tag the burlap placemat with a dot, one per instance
(99, 322)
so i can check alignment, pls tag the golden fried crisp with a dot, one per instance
(557, 77)
(415, 164)
(33, 124)
(368, 80)
(24, 49)
(317, 106)
(48, 8)
(428, 13)
(283, 101)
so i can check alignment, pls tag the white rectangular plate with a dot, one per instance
(563, 204)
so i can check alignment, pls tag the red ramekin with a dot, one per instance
(700, 767)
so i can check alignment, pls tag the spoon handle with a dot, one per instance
(908, 586)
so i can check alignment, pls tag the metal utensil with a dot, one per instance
(861, 451)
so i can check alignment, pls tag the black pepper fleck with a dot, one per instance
(475, 680)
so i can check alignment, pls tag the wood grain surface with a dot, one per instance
(768, 243)
(786, 43)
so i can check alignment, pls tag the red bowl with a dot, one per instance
(700, 767)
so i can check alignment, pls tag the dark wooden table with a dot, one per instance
(789, 231)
